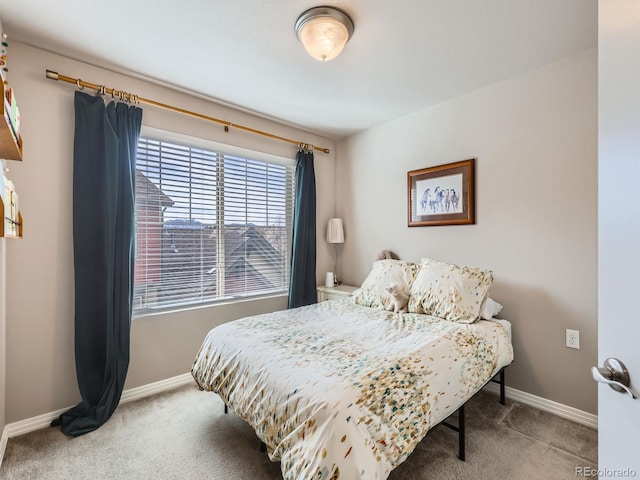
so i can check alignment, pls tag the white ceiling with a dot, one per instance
(405, 55)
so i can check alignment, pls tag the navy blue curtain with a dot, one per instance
(302, 282)
(105, 144)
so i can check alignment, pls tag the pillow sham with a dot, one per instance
(372, 292)
(452, 292)
(490, 309)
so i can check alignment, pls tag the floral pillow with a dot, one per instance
(453, 292)
(372, 293)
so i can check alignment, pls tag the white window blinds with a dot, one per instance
(209, 226)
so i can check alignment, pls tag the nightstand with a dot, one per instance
(331, 293)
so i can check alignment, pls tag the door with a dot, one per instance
(619, 232)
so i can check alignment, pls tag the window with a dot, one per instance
(209, 225)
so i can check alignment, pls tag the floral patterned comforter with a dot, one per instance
(337, 390)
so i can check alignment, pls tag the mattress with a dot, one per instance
(337, 390)
(506, 324)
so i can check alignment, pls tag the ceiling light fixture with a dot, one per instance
(324, 31)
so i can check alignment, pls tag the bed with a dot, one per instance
(343, 389)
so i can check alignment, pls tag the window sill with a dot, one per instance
(159, 311)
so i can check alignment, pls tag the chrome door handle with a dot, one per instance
(614, 374)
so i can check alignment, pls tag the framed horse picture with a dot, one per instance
(442, 195)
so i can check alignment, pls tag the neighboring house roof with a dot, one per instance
(238, 272)
(191, 240)
(147, 193)
(248, 241)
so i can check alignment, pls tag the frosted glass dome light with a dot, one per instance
(324, 31)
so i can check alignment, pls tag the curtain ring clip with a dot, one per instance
(81, 87)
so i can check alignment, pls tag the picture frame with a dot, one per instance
(442, 195)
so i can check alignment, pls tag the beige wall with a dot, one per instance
(535, 141)
(40, 360)
(2, 334)
(534, 138)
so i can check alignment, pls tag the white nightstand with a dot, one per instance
(331, 293)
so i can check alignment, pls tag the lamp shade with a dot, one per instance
(335, 232)
(324, 31)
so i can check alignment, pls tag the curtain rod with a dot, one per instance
(129, 97)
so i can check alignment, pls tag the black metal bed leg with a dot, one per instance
(500, 381)
(461, 434)
(460, 428)
(226, 409)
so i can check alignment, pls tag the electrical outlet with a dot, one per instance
(573, 338)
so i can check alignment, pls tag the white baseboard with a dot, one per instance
(564, 411)
(44, 420)
(156, 387)
(3, 443)
(41, 421)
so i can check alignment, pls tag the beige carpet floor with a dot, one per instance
(184, 434)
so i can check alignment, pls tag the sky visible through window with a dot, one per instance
(254, 191)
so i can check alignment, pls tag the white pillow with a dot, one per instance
(452, 292)
(490, 309)
(372, 292)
